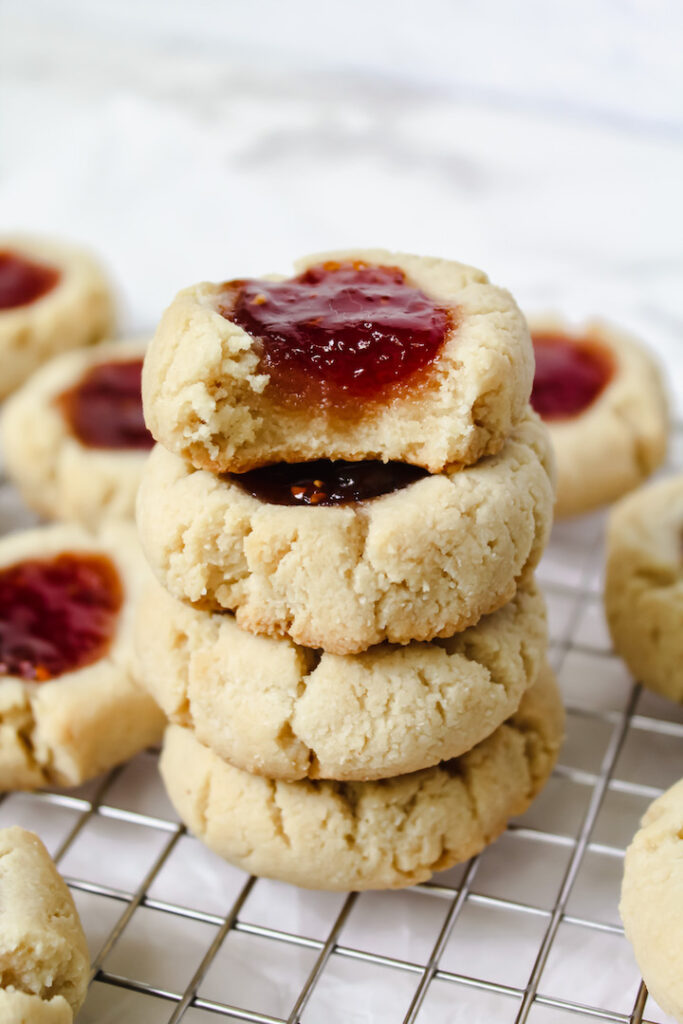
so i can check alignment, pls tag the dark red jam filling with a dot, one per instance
(104, 410)
(57, 614)
(339, 332)
(326, 483)
(22, 281)
(570, 374)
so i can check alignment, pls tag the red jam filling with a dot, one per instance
(104, 410)
(326, 483)
(57, 614)
(570, 374)
(22, 281)
(339, 332)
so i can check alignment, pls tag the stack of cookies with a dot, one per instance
(345, 509)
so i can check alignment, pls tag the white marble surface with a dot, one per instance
(541, 142)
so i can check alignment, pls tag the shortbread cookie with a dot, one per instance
(70, 702)
(74, 438)
(652, 899)
(602, 396)
(288, 712)
(367, 835)
(423, 561)
(43, 952)
(53, 297)
(644, 585)
(366, 354)
(20, 1008)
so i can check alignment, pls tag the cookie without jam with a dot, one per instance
(368, 835)
(58, 474)
(53, 297)
(424, 561)
(620, 436)
(230, 400)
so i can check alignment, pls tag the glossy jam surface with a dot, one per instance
(339, 332)
(57, 614)
(570, 374)
(104, 409)
(22, 281)
(326, 483)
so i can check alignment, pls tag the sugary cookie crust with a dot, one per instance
(652, 899)
(19, 1008)
(644, 585)
(206, 400)
(286, 712)
(423, 562)
(614, 445)
(57, 475)
(71, 728)
(78, 311)
(43, 952)
(367, 835)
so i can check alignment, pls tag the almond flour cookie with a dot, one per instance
(367, 835)
(53, 297)
(366, 354)
(70, 703)
(74, 437)
(602, 397)
(644, 585)
(288, 712)
(652, 899)
(44, 961)
(423, 561)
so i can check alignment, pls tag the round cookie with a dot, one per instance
(367, 835)
(65, 448)
(53, 297)
(43, 952)
(424, 561)
(70, 702)
(644, 585)
(652, 899)
(213, 394)
(602, 397)
(288, 712)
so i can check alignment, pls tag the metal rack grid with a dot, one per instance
(526, 931)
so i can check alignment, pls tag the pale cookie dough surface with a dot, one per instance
(43, 952)
(58, 476)
(652, 899)
(78, 311)
(367, 835)
(422, 562)
(74, 726)
(271, 707)
(619, 440)
(20, 1008)
(206, 399)
(644, 585)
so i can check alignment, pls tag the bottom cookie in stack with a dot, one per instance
(381, 834)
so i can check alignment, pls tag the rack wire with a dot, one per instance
(527, 931)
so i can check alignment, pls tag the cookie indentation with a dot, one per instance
(570, 374)
(339, 332)
(104, 409)
(57, 614)
(324, 482)
(23, 281)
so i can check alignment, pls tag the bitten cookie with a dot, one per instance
(644, 585)
(602, 397)
(74, 438)
(44, 961)
(367, 835)
(288, 712)
(365, 354)
(652, 899)
(422, 561)
(53, 297)
(70, 702)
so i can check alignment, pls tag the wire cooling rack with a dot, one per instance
(527, 931)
